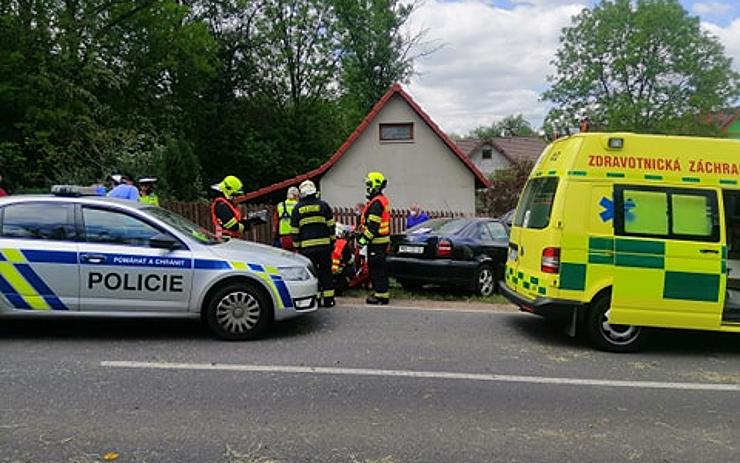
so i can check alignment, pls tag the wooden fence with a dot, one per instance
(199, 212)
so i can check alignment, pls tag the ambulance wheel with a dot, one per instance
(238, 312)
(612, 338)
(485, 280)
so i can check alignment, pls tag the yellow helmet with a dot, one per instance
(229, 186)
(374, 183)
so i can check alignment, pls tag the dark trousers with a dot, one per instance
(321, 258)
(378, 269)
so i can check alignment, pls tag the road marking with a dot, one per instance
(713, 387)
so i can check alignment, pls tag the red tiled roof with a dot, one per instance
(515, 149)
(395, 89)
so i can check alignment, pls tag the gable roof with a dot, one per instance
(514, 149)
(481, 181)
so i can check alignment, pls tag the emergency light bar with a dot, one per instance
(73, 190)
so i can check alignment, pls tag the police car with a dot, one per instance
(67, 254)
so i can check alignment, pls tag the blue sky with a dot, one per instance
(496, 54)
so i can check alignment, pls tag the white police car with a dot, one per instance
(71, 255)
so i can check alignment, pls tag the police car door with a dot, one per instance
(38, 256)
(121, 271)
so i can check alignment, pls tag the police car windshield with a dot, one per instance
(183, 225)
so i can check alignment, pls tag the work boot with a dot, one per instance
(375, 300)
(328, 302)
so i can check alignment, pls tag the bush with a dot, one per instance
(506, 185)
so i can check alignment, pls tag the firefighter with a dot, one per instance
(283, 213)
(225, 216)
(146, 191)
(312, 224)
(375, 227)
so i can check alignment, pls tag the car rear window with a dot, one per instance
(535, 205)
(445, 226)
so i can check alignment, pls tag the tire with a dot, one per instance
(238, 312)
(611, 338)
(484, 281)
(410, 285)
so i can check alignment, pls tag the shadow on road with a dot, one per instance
(139, 329)
(540, 331)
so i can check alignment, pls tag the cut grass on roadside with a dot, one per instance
(433, 293)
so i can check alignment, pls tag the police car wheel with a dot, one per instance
(485, 280)
(238, 311)
(610, 337)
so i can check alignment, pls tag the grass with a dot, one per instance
(432, 293)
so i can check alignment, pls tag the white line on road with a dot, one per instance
(425, 374)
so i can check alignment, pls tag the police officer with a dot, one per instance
(312, 224)
(146, 191)
(225, 216)
(375, 228)
(283, 213)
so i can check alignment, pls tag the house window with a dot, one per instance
(397, 132)
(487, 153)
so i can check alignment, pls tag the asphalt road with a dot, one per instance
(369, 385)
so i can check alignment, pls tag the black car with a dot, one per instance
(465, 252)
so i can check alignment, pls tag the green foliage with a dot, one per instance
(184, 89)
(644, 66)
(514, 125)
(506, 185)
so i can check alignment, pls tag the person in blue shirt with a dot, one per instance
(125, 188)
(416, 216)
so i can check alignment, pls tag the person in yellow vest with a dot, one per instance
(375, 228)
(146, 191)
(283, 212)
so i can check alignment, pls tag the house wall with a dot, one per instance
(488, 166)
(423, 171)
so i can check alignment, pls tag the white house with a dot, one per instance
(490, 155)
(422, 164)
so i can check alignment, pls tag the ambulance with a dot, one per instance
(620, 232)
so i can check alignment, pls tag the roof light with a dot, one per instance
(616, 143)
(73, 190)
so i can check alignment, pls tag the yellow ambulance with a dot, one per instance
(616, 232)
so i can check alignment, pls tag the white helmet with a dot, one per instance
(307, 188)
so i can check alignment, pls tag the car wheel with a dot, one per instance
(238, 311)
(410, 285)
(612, 338)
(485, 280)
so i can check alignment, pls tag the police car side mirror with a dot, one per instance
(163, 241)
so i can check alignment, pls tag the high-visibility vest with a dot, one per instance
(218, 227)
(285, 210)
(336, 255)
(150, 199)
(384, 230)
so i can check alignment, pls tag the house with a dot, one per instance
(490, 155)
(730, 124)
(422, 164)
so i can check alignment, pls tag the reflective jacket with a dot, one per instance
(312, 224)
(337, 256)
(226, 218)
(284, 211)
(376, 221)
(151, 199)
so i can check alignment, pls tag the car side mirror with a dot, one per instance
(163, 241)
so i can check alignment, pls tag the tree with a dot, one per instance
(509, 126)
(506, 185)
(376, 49)
(644, 66)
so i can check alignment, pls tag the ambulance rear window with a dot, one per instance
(535, 205)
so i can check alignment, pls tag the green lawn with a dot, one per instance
(433, 293)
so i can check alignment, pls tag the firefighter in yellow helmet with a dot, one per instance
(375, 228)
(312, 224)
(225, 216)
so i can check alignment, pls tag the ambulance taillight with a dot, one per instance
(550, 260)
